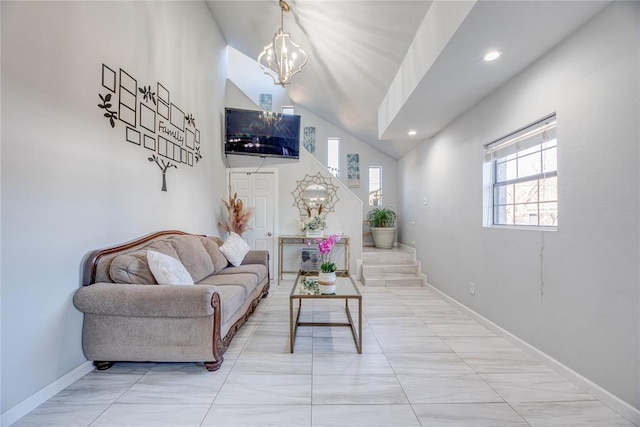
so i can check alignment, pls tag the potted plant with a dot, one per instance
(327, 273)
(382, 222)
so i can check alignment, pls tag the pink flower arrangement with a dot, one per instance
(325, 246)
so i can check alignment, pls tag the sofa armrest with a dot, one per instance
(146, 300)
(257, 257)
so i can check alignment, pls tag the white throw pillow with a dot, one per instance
(235, 249)
(168, 270)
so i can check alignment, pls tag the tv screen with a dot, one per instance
(261, 133)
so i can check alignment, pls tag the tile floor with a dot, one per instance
(425, 363)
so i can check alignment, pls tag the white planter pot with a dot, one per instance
(316, 233)
(383, 237)
(327, 283)
(327, 289)
(326, 278)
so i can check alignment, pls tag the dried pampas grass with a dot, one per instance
(237, 215)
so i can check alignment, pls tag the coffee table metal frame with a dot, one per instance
(295, 322)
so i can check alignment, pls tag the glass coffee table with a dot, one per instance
(306, 287)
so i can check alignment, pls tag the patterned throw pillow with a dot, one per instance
(168, 270)
(235, 249)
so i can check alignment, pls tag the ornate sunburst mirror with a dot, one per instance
(315, 195)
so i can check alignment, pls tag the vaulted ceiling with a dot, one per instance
(357, 48)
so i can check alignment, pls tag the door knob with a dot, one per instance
(269, 234)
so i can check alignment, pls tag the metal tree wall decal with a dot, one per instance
(164, 167)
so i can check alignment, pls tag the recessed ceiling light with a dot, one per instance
(412, 132)
(492, 55)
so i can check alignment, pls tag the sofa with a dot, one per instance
(132, 314)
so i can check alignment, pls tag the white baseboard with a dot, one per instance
(32, 402)
(615, 403)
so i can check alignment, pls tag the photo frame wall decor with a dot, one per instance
(151, 121)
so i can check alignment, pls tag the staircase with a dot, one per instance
(391, 267)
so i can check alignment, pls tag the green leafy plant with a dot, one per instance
(382, 217)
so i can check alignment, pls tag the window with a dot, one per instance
(375, 186)
(333, 156)
(524, 176)
(287, 109)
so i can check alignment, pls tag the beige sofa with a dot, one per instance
(129, 317)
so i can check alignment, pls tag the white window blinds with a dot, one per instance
(535, 134)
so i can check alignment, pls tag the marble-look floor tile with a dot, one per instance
(415, 301)
(273, 363)
(139, 368)
(570, 414)
(344, 344)
(157, 415)
(388, 314)
(53, 414)
(428, 364)
(258, 415)
(351, 364)
(418, 329)
(534, 387)
(402, 344)
(278, 344)
(447, 319)
(278, 329)
(357, 389)
(424, 292)
(265, 390)
(503, 362)
(97, 388)
(468, 415)
(337, 331)
(479, 344)
(177, 389)
(364, 416)
(462, 388)
(180, 368)
(464, 330)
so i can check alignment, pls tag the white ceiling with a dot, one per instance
(356, 47)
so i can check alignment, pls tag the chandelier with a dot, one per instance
(282, 58)
(270, 118)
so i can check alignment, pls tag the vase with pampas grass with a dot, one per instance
(238, 215)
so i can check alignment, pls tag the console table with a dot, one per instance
(301, 242)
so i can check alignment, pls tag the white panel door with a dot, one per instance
(256, 190)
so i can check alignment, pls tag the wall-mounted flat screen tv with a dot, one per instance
(261, 133)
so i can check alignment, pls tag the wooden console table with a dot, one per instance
(301, 241)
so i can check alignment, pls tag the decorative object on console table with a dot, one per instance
(296, 245)
(313, 226)
(382, 222)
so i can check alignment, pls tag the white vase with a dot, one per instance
(326, 278)
(315, 233)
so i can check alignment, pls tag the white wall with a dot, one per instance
(70, 183)
(588, 316)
